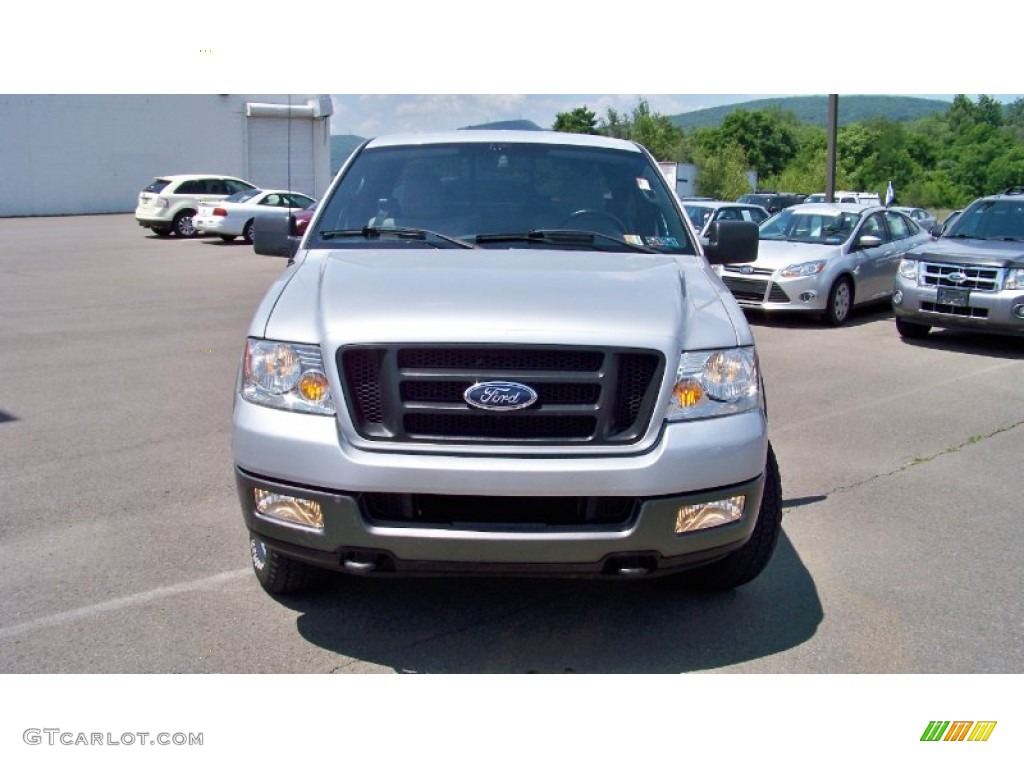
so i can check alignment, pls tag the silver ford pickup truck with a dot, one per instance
(498, 352)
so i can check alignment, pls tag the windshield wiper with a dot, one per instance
(402, 233)
(559, 236)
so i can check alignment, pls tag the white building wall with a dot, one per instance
(73, 154)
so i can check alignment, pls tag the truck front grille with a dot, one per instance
(498, 511)
(401, 393)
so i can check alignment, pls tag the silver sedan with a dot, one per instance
(824, 259)
(235, 215)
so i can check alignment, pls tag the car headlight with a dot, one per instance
(286, 376)
(1014, 279)
(806, 269)
(715, 383)
(908, 269)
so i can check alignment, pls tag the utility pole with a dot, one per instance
(830, 169)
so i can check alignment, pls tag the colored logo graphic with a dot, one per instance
(958, 730)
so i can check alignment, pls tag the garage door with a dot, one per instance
(281, 153)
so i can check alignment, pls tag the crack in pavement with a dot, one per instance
(918, 460)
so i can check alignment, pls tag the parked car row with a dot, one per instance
(826, 258)
(188, 205)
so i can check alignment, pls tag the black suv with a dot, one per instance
(773, 202)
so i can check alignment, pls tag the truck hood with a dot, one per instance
(777, 254)
(982, 253)
(502, 296)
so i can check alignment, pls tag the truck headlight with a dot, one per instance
(806, 269)
(715, 383)
(287, 376)
(1014, 279)
(908, 269)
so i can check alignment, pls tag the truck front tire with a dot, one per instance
(278, 574)
(748, 561)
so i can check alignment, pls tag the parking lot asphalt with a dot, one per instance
(122, 547)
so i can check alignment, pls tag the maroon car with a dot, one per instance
(302, 219)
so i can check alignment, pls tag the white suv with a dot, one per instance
(168, 203)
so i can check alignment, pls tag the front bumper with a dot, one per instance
(986, 311)
(306, 456)
(646, 542)
(774, 294)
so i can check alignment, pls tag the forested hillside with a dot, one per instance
(943, 159)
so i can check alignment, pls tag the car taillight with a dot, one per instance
(219, 212)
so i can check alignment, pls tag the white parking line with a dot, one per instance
(117, 603)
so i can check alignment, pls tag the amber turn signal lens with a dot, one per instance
(687, 393)
(313, 386)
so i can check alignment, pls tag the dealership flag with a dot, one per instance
(890, 194)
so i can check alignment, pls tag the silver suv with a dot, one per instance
(503, 352)
(971, 277)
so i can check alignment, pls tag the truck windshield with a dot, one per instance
(477, 190)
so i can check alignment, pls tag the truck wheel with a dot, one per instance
(280, 575)
(911, 330)
(748, 561)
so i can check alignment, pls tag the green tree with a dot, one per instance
(766, 136)
(663, 138)
(579, 120)
(722, 172)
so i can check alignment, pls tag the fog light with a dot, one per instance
(1019, 311)
(897, 298)
(808, 296)
(709, 514)
(288, 509)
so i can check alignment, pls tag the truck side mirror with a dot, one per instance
(731, 242)
(272, 236)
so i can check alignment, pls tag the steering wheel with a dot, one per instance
(603, 217)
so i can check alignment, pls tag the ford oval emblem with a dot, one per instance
(746, 269)
(500, 396)
(957, 278)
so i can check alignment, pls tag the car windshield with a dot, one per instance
(990, 220)
(241, 197)
(763, 200)
(826, 228)
(504, 195)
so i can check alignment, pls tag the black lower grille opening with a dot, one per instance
(745, 290)
(556, 511)
(945, 309)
